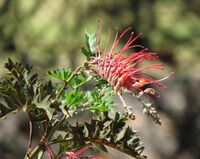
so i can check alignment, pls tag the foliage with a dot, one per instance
(68, 95)
(50, 105)
(28, 34)
(102, 130)
(22, 91)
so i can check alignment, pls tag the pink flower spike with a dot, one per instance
(122, 69)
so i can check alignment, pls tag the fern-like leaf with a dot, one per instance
(102, 130)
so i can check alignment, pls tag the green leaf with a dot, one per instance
(104, 131)
(16, 91)
(4, 110)
(22, 91)
(45, 105)
(61, 74)
(88, 54)
(79, 80)
(74, 98)
(102, 98)
(91, 41)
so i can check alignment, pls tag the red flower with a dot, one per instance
(122, 70)
(72, 155)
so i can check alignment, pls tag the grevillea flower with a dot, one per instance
(71, 155)
(122, 69)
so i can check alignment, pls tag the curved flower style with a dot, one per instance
(122, 70)
(75, 155)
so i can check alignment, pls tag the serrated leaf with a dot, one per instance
(22, 91)
(17, 90)
(102, 99)
(45, 105)
(79, 80)
(61, 74)
(95, 133)
(4, 110)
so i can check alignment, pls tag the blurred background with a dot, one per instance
(49, 34)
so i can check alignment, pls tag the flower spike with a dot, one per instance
(122, 69)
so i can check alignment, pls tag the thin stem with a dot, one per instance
(61, 141)
(128, 109)
(49, 150)
(59, 123)
(84, 106)
(35, 151)
(30, 135)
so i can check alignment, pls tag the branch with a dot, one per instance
(30, 134)
(105, 131)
